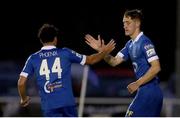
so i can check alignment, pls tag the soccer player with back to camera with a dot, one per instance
(52, 69)
(141, 51)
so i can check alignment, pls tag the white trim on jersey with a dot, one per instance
(48, 47)
(26, 62)
(24, 74)
(153, 58)
(83, 60)
(137, 38)
(120, 54)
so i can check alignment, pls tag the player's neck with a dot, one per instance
(135, 34)
(49, 44)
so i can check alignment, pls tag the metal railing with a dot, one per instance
(11, 104)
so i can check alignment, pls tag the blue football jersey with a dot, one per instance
(141, 51)
(149, 98)
(52, 68)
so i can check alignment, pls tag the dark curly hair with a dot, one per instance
(47, 33)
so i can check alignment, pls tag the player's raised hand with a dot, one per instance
(96, 44)
(109, 47)
(25, 102)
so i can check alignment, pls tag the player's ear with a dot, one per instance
(138, 23)
(55, 40)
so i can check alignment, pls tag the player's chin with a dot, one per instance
(127, 33)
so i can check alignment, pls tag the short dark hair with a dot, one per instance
(47, 33)
(134, 14)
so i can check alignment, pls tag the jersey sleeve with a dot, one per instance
(149, 51)
(28, 68)
(124, 53)
(76, 57)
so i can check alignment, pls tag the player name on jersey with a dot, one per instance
(48, 54)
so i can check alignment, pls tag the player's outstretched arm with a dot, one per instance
(98, 44)
(106, 49)
(22, 91)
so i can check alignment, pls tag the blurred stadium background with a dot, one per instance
(106, 93)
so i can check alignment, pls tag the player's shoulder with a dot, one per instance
(67, 50)
(30, 57)
(128, 43)
(35, 54)
(145, 39)
(146, 43)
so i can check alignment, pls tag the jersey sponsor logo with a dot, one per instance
(45, 87)
(77, 54)
(150, 52)
(49, 87)
(148, 46)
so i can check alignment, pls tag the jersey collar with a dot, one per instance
(48, 47)
(137, 38)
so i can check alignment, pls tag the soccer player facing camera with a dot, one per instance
(141, 51)
(52, 69)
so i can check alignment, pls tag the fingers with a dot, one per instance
(102, 43)
(111, 43)
(88, 43)
(110, 46)
(25, 102)
(132, 87)
(99, 44)
(92, 40)
(99, 41)
(130, 90)
(99, 38)
(89, 40)
(89, 37)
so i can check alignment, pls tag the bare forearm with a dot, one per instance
(113, 61)
(94, 58)
(22, 89)
(109, 59)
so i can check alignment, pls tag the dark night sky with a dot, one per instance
(20, 23)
